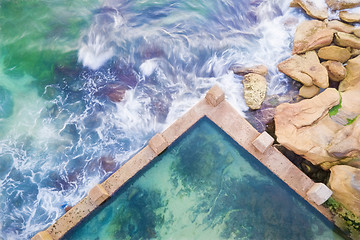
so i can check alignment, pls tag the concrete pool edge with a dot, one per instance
(218, 110)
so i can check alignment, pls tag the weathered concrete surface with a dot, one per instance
(215, 95)
(263, 142)
(319, 193)
(158, 144)
(98, 195)
(44, 235)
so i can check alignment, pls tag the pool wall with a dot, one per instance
(218, 110)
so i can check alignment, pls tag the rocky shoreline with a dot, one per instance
(322, 127)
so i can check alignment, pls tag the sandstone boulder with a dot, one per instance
(349, 17)
(258, 69)
(306, 127)
(355, 52)
(334, 53)
(345, 183)
(340, 26)
(312, 35)
(254, 90)
(342, 4)
(325, 129)
(346, 142)
(347, 40)
(336, 70)
(357, 32)
(306, 68)
(318, 11)
(308, 92)
(353, 74)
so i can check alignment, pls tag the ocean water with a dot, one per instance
(84, 84)
(205, 186)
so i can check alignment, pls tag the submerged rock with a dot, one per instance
(258, 69)
(306, 68)
(336, 71)
(6, 103)
(312, 9)
(254, 90)
(345, 183)
(353, 74)
(342, 4)
(311, 35)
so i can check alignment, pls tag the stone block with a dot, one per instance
(215, 96)
(263, 142)
(98, 195)
(44, 235)
(319, 193)
(158, 144)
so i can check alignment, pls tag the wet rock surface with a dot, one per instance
(312, 35)
(306, 68)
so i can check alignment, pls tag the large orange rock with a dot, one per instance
(342, 4)
(325, 129)
(306, 68)
(306, 128)
(311, 35)
(353, 74)
(345, 183)
(318, 11)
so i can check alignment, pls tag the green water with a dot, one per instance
(37, 38)
(205, 187)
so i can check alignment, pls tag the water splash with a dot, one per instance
(81, 108)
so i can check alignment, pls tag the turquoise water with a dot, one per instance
(85, 83)
(205, 186)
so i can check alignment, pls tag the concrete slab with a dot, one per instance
(44, 235)
(215, 96)
(158, 144)
(319, 193)
(263, 142)
(98, 195)
(128, 170)
(71, 218)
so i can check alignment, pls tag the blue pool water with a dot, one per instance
(205, 186)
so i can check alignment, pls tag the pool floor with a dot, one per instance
(205, 186)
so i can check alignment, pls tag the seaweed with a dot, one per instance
(335, 109)
(344, 218)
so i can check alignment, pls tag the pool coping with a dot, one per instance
(218, 110)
